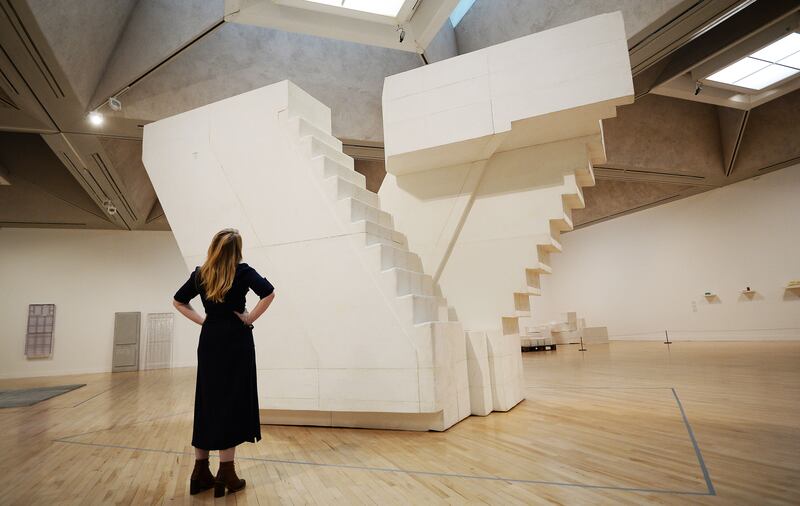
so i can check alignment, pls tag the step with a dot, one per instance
(585, 177)
(300, 127)
(532, 282)
(408, 282)
(517, 314)
(551, 246)
(376, 234)
(422, 308)
(541, 268)
(573, 193)
(341, 189)
(563, 223)
(315, 147)
(357, 210)
(390, 257)
(522, 302)
(325, 167)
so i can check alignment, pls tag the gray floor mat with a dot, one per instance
(30, 396)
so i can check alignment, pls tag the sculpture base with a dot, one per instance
(355, 419)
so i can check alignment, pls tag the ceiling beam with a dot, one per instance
(732, 124)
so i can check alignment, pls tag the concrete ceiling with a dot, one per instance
(61, 59)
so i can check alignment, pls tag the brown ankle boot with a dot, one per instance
(201, 479)
(226, 478)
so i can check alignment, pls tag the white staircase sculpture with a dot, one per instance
(358, 335)
(486, 155)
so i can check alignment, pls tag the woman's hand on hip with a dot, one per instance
(245, 317)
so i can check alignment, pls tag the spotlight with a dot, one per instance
(114, 104)
(95, 118)
(402, 33)
(110, 207)
(698, 87)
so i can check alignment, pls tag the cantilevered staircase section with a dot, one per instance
(358, 335)
(487, 154)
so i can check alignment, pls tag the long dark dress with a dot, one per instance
(226, 396)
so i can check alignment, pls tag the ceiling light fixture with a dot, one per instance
(765, 67)
(115, 104)
(95, 118)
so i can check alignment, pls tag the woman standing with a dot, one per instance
(226, 397)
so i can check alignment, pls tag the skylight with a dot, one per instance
(389, 8)
(461, 9)
(765, 67)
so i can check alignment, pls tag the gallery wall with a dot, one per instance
(647, 272)
(89, 275)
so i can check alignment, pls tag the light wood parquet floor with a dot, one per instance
(602, 427)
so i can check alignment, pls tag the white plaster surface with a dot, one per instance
(450, 112)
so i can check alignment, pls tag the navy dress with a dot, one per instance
(226, 395)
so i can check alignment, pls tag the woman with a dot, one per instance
(225, 399)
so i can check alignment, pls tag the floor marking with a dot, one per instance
(710, 486)
(64, 438)
(405, 471)
(706, 475)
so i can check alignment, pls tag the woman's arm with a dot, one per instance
(188, 311)
(257, 311)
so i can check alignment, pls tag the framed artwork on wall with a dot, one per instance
(39, 337)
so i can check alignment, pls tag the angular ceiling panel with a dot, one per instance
(126, 157)
(82, 35)
(772, 137)
(491, 22)
(42, 193)
(155, 30)
(667, 135)
(609, 199)
(345, 76)
(27, 157)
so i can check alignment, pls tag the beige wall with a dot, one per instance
(641, 274)
(89, 275)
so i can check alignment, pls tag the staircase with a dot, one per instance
(397, 271)
(359, 335)
(486, 156)
(571, 197)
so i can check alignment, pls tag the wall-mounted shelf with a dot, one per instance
(748, 291)
(709, 295)
(792, 285)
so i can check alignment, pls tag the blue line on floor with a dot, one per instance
(411, 472)
(706, 475)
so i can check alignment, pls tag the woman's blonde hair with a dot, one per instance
(224, 254)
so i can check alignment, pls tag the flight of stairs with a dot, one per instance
(398, 272)
(571, 194)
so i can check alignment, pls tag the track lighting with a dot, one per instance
(110, 207)
(402, 33)
(115, 104)
(698, 87)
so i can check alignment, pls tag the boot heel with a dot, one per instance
(195, 487)
(219, 489)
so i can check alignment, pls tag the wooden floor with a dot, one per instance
(626, 423)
